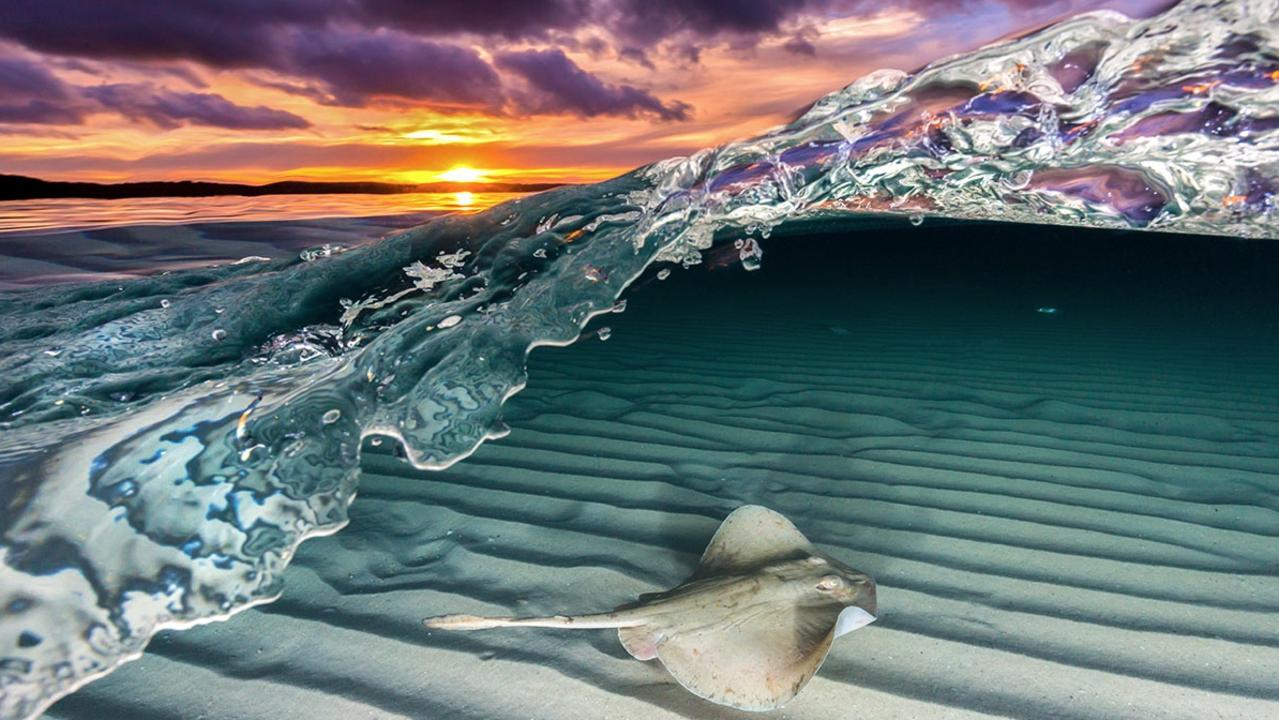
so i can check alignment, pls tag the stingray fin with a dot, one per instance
(756, 664)
(750, 537)
(639, 641)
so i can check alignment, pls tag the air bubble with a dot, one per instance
(331, 416)
(605, 333)
(219, 335)
(165, 303)
(916, 219)
(750, 253)
(663, 273)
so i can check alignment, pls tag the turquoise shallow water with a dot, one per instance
(1070, 514)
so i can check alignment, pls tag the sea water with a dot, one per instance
(1070, 514)
(1056, 446)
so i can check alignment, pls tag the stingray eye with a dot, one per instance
(829, 582)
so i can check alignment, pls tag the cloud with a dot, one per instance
(490, 56)
(556, 84)
(646, 22)
(803, 41)
(514, 19)
(336, 52)
(255, 33)
(247, 33)
(354, 67)
(39, 112)
(31, 94)
(169, 109)
(637, 56)
(218, 33)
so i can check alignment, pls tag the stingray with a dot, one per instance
(748, 629)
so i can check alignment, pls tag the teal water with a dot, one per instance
(1070, 514)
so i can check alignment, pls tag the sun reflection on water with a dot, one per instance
(46, 215)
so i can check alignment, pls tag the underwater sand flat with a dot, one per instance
(1069, 515)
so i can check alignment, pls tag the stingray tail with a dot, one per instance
(477, 622)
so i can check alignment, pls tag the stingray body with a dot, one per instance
(748, 629)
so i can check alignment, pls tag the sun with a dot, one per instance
(462, 174)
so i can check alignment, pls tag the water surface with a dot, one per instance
(44, 216)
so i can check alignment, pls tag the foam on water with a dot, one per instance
(168, 441)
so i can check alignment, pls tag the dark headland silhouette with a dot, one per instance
(21, 187)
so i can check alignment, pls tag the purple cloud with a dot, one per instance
(339, 52)
(31, 94)
(800, 45)
(353, 67)
(557, 85)
(646, 22)
(516, 19)
(218, 33)
(246, 33)
(40, 112)
(22, 79)
(168, 109)
(250, 33)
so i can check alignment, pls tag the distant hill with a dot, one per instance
(20, 187)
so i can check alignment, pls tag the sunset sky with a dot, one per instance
(404, 90)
